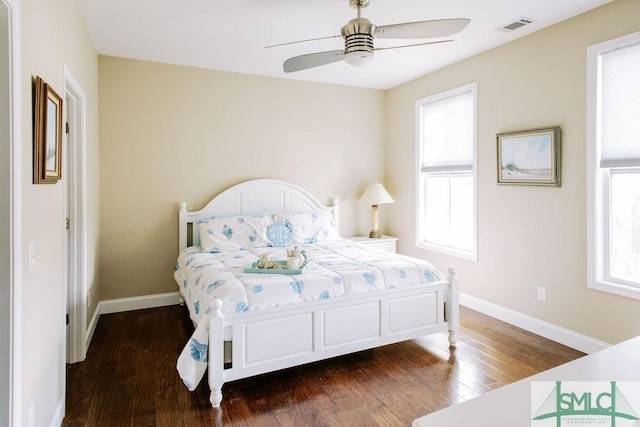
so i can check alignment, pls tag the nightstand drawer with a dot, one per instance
(388, 243)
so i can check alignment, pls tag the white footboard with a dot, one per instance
(283, 337)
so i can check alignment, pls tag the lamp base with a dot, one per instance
(375, 228)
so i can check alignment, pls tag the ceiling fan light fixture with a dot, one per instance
(358, 58)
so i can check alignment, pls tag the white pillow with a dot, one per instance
(309, 227)
(234, 233)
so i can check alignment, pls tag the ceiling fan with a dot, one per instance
(358, 37)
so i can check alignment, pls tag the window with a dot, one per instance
(446, 199)
(614, 166)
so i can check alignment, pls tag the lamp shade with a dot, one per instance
(376, 194)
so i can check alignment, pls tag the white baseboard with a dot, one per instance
(91, 328)
(539, 327)
(138, 303)
(128, 304)
(59, 415)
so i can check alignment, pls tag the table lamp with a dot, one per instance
(375, 195)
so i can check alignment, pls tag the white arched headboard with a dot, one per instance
(259, 196)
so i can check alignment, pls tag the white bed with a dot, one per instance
(336, 314)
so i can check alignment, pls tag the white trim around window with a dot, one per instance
(604, 253)
(446, 178)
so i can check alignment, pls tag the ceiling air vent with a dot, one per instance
(520, 22)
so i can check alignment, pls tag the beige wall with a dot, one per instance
(528, 236)
(53, 35)
(170, 133)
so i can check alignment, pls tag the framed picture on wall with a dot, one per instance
(530, 157)
(47, 134)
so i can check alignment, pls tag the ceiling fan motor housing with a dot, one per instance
(358, 41)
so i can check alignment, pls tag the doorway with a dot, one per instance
(75, 209)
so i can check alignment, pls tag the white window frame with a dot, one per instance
(598, 179)
(471, 254)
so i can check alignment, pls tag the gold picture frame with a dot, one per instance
(47, 133)
(530, 157)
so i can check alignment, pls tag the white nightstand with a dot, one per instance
(387, 243)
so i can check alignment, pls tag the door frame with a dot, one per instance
(15, 214)
(75, 204)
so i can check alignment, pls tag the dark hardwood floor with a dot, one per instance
(129, 377)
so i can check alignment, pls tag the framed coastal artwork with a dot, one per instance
(530, 157)
(47, 133)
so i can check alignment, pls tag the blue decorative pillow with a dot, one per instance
(279, 234)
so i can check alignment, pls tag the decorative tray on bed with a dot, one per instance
(280, 268)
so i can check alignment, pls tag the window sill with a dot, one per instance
(447, 250)
(616, 288)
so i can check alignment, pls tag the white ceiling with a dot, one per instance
(230, 35)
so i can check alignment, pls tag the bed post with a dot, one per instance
(182, 235)
(453, 306)
(216, 353)
(182, 229)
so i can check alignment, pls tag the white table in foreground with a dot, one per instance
(510, 406)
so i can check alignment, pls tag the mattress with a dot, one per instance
(336, 268)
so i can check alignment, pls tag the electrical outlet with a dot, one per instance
(542, 293)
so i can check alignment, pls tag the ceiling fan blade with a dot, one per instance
(412, 45)
(301, 41)
(302, 62)
(422, 29)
